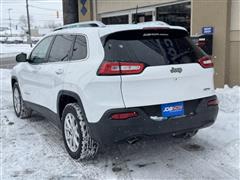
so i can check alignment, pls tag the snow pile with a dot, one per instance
(229, 99)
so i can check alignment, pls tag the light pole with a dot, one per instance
(10, 20)
(29, 27)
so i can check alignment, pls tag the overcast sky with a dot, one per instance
(42, 11)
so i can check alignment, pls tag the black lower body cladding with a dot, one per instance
(198, 114)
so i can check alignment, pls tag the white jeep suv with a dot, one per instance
(102, 84)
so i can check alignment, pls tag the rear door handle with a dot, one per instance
(59, 71)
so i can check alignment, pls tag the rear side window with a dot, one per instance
(61, 48)
(79, 48)
(151, 47)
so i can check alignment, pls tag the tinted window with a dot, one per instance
(40, 51)
(152, 47)
(142, 17)
(61, 48)
(178, 14)
(80, 48)
(116, 20)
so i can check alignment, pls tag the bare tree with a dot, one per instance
(52, 25)
(23, 22)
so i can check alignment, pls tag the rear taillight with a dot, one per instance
(213, 102)
(205, 62)
(120, 68)
(124, 116)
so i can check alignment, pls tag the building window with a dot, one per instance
(178, 14)
(142, 17)
(116, 20)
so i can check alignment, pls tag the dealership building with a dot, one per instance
(220, 17)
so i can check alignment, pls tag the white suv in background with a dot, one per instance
(102, 84)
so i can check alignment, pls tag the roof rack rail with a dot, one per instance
(82, 24)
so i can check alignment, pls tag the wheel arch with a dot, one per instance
(65, 97)
(13, 80)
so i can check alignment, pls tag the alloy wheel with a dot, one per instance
(71, 132)
(17, 100)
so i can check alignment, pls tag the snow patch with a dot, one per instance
(9, 50)
(5, 77)
(229, 99)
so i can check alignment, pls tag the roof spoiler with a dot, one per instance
(82, 24)
(155, 23)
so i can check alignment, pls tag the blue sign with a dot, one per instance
(207, 30)
(83, 9)
(172, 109)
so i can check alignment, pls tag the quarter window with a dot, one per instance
(40, 51)
(80, 48)
(61, 48)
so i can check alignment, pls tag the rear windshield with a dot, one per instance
(151, 47)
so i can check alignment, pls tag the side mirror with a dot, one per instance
(22, 57)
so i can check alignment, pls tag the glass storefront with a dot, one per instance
(178, 14)
(142, 17)
(116, 20)
(175, 14)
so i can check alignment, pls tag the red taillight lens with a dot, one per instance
(131, 68)
(120, 68)
(109, 68)
(213, 102)
(124, 116)
(205, 62)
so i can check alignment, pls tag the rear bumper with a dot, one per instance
(108, 131)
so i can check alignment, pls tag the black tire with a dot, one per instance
(87, 147)
(22, 111)
(186, 135)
